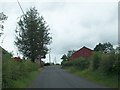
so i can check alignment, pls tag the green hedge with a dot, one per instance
(15, 70)
(80, 63)
(108, 64)
(95, 61)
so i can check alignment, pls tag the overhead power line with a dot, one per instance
(20, 7)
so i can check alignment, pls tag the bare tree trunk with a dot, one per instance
(33, 59)
(40, 61)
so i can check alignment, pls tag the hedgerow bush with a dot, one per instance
(109, 64)
(14, 70)
(117, 64)
(95, 60)
(67, 63)
(80, 63)
(106, 63)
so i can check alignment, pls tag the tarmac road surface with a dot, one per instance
(55, 77)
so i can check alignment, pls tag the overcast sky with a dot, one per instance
(73, 24)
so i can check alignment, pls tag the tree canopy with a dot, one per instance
(67, 56)
(64, 57)
(32, 36)
(3, 17)
(105, 47)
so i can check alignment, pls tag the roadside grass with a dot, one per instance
(26, 81)
(17, 74)
(97, 77)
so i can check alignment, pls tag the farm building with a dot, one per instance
(83, 52)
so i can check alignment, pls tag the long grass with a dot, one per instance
(26, 81)
(17, 74)
(97, 77)
(101, 68)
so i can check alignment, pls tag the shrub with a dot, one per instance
(95, 60)
(116, 63)
(47, 64)
(14, 70)
(67, 63)
(107, 64)
(81, 63)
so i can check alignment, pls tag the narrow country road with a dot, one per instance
(55, 77)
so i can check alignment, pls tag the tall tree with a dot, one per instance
(117, 50)
(69, 54)
(64, 57)
(100, 47)
(32, 35)
(108, 47)
(3, 17)
(105, 47)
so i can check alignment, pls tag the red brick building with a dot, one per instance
(83, 52)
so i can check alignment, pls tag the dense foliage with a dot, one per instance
(15, 70)
(32, 36)
(108, 64)
(105, 47)
(3, 17)
(102, 67)
(67, 56)
(80, 63)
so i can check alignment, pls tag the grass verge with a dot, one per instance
(26, 81)
(97, 77)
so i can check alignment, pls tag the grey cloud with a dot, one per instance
(74, 25)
